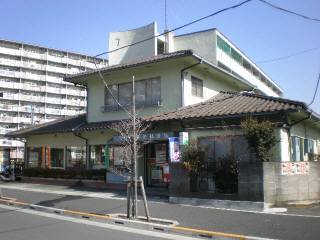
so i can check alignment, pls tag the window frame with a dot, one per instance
(195, 83)
(148, 96)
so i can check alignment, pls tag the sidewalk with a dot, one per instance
(106, 202)
(81, 191)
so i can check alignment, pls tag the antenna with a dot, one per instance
(165, 15)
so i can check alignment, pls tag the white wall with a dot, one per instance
(133, 53)
(202, 43)
(212, 85)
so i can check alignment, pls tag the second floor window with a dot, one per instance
(148, 93)
(196, 87)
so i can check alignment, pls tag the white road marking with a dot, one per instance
(101, 225)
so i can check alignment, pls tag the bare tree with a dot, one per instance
(131, 130)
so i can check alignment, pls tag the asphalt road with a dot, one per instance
(277, 226)
(19, 225)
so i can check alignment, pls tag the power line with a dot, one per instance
(289, 11)
(147, 39)
(177, 28)
(289, 56)
(315, 91)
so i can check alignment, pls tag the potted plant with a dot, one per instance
(193, 158)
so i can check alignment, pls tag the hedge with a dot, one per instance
(94, 174)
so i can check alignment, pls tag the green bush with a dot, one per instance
(226, 175)
(260, 137)
(98, 174)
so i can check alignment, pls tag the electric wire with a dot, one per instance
(289, 11)
(288, 56)
(315, 91)
(177, 28)
(150, 38)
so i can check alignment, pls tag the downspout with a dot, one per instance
(87, 149)
(182, 79)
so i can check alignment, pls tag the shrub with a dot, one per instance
(226, 175)
(98, 174)
(193, 158)
(260, 137)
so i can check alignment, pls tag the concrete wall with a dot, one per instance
(283, 189)
(202, 43)
(142, 50)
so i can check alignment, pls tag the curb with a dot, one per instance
(172, 228)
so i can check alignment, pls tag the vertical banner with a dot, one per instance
(174, 149)
(184, 138)
(106, 157)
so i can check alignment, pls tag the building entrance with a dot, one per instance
(157, 164)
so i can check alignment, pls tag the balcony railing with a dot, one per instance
(32, 98)
(5, 84)
(10, 51)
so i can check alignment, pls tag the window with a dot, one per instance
(34, 157)
(297, 148)
(110, 101)
(97, 156)
(196, 87)
(57, 157)
(236, 56)
(76, 157)
(223, 45)
(148, 93)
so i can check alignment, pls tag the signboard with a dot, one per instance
(174, 149)
(184, 138)
(294, 168)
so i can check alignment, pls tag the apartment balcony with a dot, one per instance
(77, 102)
(6, 107)
(72, 112)
(8, 119)
(74, 62)
(10, 51)
(56, 69)
(32, 87)
(25, 120)
(54, 79)
(6, 130)
(53, 111)
(32, 76)
(57, 59)
(35, 55)
(32, 98)
(29, 109)
(12, 85)
(56, 100)
(93, 66)
(9, 62)
(10, 96)
(7, 73)
(33, 66)
(56, 90)
(76, 92)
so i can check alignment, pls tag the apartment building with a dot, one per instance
(32, 89)
(211, 45)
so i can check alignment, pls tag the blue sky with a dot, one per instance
(260, 31)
